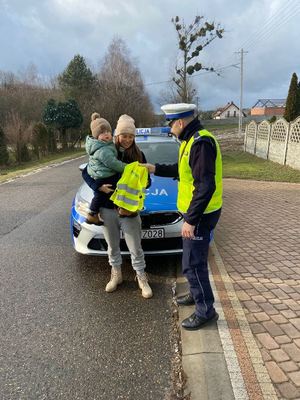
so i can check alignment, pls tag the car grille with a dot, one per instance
(76, 231)
(97, 244)
(159, 219)
(147, 245)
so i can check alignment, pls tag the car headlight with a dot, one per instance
(81, 205)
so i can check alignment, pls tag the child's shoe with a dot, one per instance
(94, 219)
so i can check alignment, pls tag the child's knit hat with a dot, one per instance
(125, 125)
(99, 125)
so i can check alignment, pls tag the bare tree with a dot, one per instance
(121, 87)
(26, 98)
(7, 79)
(170, 94)
(192, 39)
(29, 75)
(18, 133)
(22, 101)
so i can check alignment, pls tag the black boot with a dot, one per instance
(186, 300)
(193, 323)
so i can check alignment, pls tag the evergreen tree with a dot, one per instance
(298, 100)
(292, 102)
(78, 82)
(62, 115)
(76, 78)
(4, 156)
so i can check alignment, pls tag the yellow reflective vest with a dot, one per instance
(186, 181)
(131, 188)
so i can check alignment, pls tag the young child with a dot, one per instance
(103, 165)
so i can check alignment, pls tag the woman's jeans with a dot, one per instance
(131, 228)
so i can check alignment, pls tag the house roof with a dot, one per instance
(220, 110)
(270, 103)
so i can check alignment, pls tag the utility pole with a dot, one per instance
(242, 52)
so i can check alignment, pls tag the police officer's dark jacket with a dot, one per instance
(202, 162)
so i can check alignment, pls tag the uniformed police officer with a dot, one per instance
(199, 170)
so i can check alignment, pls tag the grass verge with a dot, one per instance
(11, 172)
(241, 165)
(236, 164)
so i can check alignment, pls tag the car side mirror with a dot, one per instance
(82, 166)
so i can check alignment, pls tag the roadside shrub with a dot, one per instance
(4, 156)
(39, 139)
(272, 119)
(52, 146)
(24, 153)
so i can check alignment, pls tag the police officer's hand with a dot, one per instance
(187, 231)
(106, 188)
(150, 167)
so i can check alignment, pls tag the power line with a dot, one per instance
(216, 70)
(157, 83)
(267, 34)
(291, 8)
(220, 69)
(279, 18)
(269, 24)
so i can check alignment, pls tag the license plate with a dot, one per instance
(150, 233)
(153, 233)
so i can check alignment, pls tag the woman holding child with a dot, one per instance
(115, 219)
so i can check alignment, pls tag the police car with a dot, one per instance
(161, 222)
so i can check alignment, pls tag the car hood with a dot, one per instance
(160, 196)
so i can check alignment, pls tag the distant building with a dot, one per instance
(229, 111)
(268, 107)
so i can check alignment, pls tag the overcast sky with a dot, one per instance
(48, 33)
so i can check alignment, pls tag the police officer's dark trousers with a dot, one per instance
(195, 265)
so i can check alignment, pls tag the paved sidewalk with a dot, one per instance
(255, 264)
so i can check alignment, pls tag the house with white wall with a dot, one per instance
(229, 111)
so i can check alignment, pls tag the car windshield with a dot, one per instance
(161, 153)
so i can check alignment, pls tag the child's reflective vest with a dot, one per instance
(131, 187)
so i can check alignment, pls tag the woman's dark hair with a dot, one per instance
(133, 153)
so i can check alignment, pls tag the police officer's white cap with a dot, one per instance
(178, 110)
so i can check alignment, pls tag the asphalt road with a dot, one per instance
(62, 336)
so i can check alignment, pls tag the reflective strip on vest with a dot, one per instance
(186, 181)
(128, 189)
(131, 188)
(126, 200)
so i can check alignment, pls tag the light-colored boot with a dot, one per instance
(144, 285)
(115, 279)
